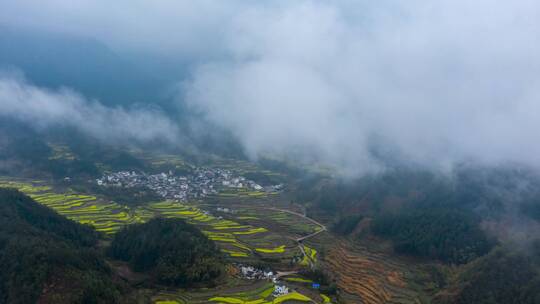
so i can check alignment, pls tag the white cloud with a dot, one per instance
(44, 108)
(429, 83)
(343, 82)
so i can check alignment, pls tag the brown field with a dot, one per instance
(373, 277)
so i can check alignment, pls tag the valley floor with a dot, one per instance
(250, 231)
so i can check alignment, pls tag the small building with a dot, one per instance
(280, 290)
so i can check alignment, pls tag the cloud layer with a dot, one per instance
(348, 83)
(426, 83)
(43, 108)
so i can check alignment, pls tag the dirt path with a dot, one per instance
(280, 274)
(300, 239)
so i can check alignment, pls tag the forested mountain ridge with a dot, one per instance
(46, 257)
(477, 225)
(53, 60)
(176, 252)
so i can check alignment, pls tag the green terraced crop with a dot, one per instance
(241, 246)
(220, 239)
(251, 231)
(105, 217)
(231, 227)
(256, 296)
(298, 280)
(228, 300)
(109, 217)
(293, 296)
(311, 255)
(279, 249)
(248, 218)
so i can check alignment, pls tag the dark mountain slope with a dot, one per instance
(45, 257)
(83, 64)
(176, 252)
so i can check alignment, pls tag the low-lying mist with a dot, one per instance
(42, 108)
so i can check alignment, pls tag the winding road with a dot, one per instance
(300, 239)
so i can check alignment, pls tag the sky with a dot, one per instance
(351, 84)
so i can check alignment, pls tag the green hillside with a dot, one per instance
(46, 257)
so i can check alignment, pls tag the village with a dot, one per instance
(199, 184)
(252, 273)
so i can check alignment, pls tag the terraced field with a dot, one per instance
(235, 239)
(258, 293)
(297, 279)
(373, 278)
(106, 217)
(241, 291)
(249, 235)
(277, 220)
(310, 256)
(224, 232)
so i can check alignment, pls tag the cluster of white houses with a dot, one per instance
(199, 184)
(252, 273)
